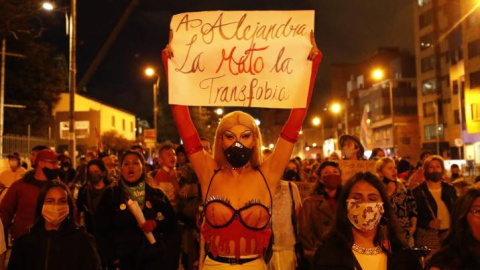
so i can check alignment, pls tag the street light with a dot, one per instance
(378, 75)
(48, 6)
(72, 72)
(317, 121)
(150, 72)
(336, 108)
(219, 111)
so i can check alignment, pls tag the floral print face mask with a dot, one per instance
(365, 216)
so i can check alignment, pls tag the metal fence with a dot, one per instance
(23, 144)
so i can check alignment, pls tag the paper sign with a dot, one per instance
(350, 167)
(241, 58)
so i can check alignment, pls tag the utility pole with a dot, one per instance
(2, 94)
(72, 80)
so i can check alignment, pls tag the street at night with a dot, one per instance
(269, 135)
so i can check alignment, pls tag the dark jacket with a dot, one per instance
(333, 254)
(450, 258)
(17, 210)
(66, 176)
(120, 237)
(87, 204)
(68, 248)
(424, 198)
(315, 219)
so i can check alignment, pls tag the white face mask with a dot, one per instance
(55, 214)
(364, 216)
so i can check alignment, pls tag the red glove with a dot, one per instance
(294, 123)
(185, 126)
(148, 226)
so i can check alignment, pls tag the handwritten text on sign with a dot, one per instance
(350, 167)
(241, 58)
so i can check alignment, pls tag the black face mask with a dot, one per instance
(386, 180)
(66, 164)
(291, 175)
(455, 176)
(434, 176)
(95, 178)
(238, 155)
(50, 174)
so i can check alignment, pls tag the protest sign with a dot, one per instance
(350, 167)
(241, 58)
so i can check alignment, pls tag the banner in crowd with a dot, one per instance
(350, 167)
(241, 58)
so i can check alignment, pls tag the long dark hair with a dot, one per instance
(39, 219)
(460, 238)
(342, 229)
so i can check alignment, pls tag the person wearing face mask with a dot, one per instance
(317, 214)
(435, 201)
(9, 176)
(401, 198)
(90, 193)
(292, 171)
(66, 173)
(365, 235)
(120, 238)
(55, 242)
(236, 182)
(352, 148)
(17, 209)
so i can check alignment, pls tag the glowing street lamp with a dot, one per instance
(219, 111)
(336, 108)
(316, 121)
(151, 72)
(378, 74)
(48, 6)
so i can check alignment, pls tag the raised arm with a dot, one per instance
(202, 163)
(274, 166)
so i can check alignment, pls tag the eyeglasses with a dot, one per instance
(475, 211)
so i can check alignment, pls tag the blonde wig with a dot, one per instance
(230, 120)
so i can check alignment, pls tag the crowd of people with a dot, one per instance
(233, 206)
(55, 219)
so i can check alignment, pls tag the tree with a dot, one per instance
(114, 142)
(35, 81)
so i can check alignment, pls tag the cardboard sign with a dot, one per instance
(350, 167)
(241, 58)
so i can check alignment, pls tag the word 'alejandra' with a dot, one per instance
(240, 31)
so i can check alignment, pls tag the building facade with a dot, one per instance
(90, 116)
(447, 48)
(383, 112)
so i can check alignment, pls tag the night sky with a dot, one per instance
(345, 30)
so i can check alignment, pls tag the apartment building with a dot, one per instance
(447, 49)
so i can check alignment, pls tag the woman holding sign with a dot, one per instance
(136, 225)
(236, 182)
